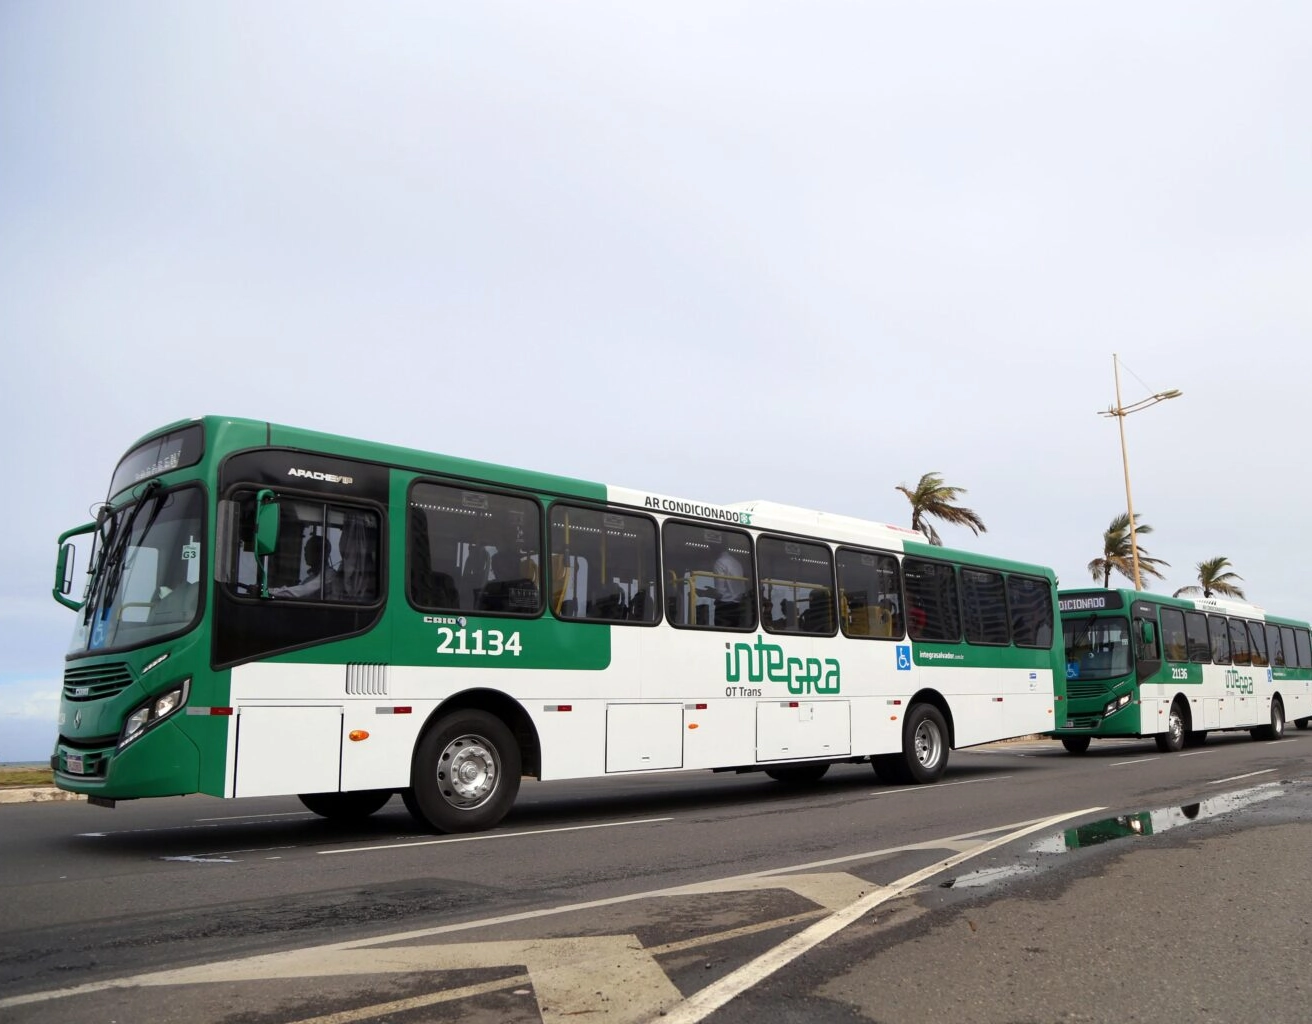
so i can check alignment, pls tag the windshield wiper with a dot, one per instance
(116, 546)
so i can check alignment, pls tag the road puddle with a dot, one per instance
(1122, 826)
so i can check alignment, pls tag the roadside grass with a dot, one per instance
(16, 778)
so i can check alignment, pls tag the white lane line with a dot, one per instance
(702, 1004)
(937, 785)
(1236, 778)
(1194, 753)
(484, 837)
(223, 856)
(1140, 760)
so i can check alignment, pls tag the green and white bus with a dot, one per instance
(1139, 664)
(275, 611)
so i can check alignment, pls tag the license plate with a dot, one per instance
(73, 763)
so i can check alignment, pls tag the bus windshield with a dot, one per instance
(1096, 648)
(146, 578)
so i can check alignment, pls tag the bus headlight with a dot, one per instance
(1116, 704)
(152, 712)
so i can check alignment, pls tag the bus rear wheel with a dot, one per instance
(798, 774)
(1276, 729)
(354, 806)
(1173, 739)
(465, 773)
(1075, 744)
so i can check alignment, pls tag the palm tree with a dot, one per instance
(1116, 554)
(932, 497)
(1213, 579)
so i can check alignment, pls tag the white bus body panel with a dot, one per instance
(644, 737)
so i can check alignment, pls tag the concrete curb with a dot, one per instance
(36, 795)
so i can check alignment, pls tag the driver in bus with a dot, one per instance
(319, 573)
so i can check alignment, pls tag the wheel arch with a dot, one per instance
(936, 699)
(504, 707)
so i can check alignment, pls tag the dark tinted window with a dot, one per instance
(1218, 634)
(870, 594)
(984, 607)
(603, 565)
(797, 586)
(708, 577)
(1030, 600)
(1175, 647)
(1304, 648)
(1239, 649)
(1275, 645)
(1195, 627)
(474, 551)
(931, 591)
(1257, 637)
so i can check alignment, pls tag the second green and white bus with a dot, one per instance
(1140, 664)
(274, 611)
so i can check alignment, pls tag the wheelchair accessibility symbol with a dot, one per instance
(904, 657)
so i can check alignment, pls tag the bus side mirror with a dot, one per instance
(64, 577)
(64, 566)
(266, 524)
(1147, 634)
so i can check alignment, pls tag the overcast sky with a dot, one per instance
(802, 252)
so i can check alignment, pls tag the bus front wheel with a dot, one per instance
(1075, 744)
(465, 773)
(354, 806)
(1173, 739)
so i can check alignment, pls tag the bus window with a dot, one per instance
(1257, 636)
(1195, 627)
(324, 553)
(474, 551)
(1174, 645)
(869, 594)
(1275, 645)
(603, 565)
(797, 586)
(1218, 633)
(1030, 602)
(1303, 645)
(709, 575)
(984, 607)
(932, 612)
(1239, 649)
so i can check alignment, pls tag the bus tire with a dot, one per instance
(799, 774)
(890, 769)
(1301, 723)
(1173, 739)
(465, 773)
(1075, 744)
(924, 744)
(354, 806)
(1276, 730)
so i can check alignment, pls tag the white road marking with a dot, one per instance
(1141, 760)
(705, 1002)
(937, 785)
(485, 836)
(1236, 778)
(253, 817)
(565, 971)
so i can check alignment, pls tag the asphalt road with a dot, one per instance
(1121, 885)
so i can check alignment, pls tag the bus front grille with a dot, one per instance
(1076, 690)
(96, 682)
